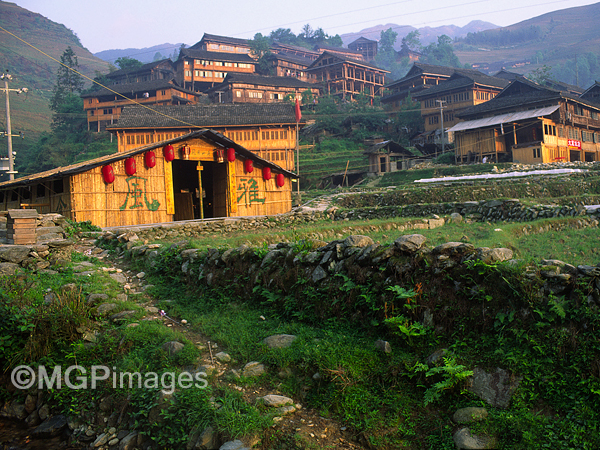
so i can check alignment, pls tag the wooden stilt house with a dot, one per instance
(201, 174)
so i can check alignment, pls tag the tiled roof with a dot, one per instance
(333, 49)
(206, 116)
(462, 80)
(144, 68)
(132, 88)
(217, 56)
(260, 80)
(221, 39)
(361, 39)
(300, 60)
(343, 58)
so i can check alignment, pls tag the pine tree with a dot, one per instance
(68, 79)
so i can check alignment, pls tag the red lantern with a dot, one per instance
(130, 168)
(266, 173)
(280, 180)
(220, 155)
(231, 154)
(108, 174)
(150, 159)
(248, 166)
(169, 152)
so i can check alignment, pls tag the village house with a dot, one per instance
(200, 174)
(366, 47)
(222, 44)
(266, 129)
(419, 77)
(530, 124)
(241, 88)
(290, 65)
(104, 105)
(440, 104)
(200, 70)
(387, 156)
(157, 70)
(344, 77)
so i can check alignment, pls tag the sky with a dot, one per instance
(121, 24)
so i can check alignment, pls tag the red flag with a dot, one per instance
(298, 112)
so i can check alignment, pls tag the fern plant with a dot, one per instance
(452, 374)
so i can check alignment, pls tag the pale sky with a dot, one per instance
(120, 24)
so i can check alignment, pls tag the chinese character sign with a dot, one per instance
(248, 192)
(136, 192)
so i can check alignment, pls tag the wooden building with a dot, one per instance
(200, 70)
(419, 77)
(341, 51)
(462, 90)
(288, 65)
(345, 77)
(104, 105)
(364, 46)
(387, 156)
(239, 88)
(157, 70)
(279, 48)
(266, 129)
(529, 123)
(143, 185)
(222, 44)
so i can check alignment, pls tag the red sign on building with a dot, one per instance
(574, 143)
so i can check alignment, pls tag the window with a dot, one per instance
(594, 115)
(188, 73)
(218, 63)
(537, 152)
(92, 112)
(561, 131)
(128, 140)
(578, 110)
(238, 94)
(186, 62)
(90, 101)
(108, 111)
(546, 128)
(214, 46)
(40, 191)
(253, 94)
(58, 186)
(228, 64)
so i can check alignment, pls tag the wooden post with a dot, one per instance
(345, 172)
(200, 190)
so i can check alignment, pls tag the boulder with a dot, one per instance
(358, 241)
(494, 255)
(470, 414)
(14, 253)
(279, 340)
(410, 242)
(50, 427)
(253, 369)
(463, 439)
(494, 388)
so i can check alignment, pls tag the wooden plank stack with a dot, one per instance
(20, 226)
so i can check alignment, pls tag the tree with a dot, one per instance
(158, 56)
(386, 55)
(412, 41)
(260, 48)
(441, 53)
(283, 35)
(124, 62)
(68, 79)
(541, 75)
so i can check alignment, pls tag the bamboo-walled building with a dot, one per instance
(201, 174)
(530, 124)
(266, 129)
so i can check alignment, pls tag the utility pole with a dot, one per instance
(441, 102)
(11, 161)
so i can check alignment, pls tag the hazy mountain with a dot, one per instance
(427, 34)
(145, 55)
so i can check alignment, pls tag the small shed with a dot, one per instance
(387, 156)
(198, 175)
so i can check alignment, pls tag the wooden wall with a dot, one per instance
(45, 196)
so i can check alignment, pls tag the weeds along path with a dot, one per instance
(304, 428)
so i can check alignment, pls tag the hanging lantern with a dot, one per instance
(266, 173)
(108, 174)
(231, 154)
(150, 159)
(280, 180)
(185, 152)
(248, 166)
(169, 152)
(220, 155)
(130, 168)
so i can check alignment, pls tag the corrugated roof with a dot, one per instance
(84, 166)
(205, 116)
(503, 118)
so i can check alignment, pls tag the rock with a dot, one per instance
(118, 277)
(122, 315)
(129, 442)
(50, 427)
(253, 369)
(463, 439)
(233, 445)
(208, 439)
(44, 412)
(223, 357)
(470, 414)
(172, 347)
(494, 255)
(279, 340)
(30, 403)
(452, 248)
(318, 274)
(410, 242)
(33, 419)
(14, 253)
(276, 400)
(93, 299)
(105, 308)
(383, 346)
(435, 357)
(494, 388)
(358, 241)
(456, 218)
(8, 268)
(101, 440)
